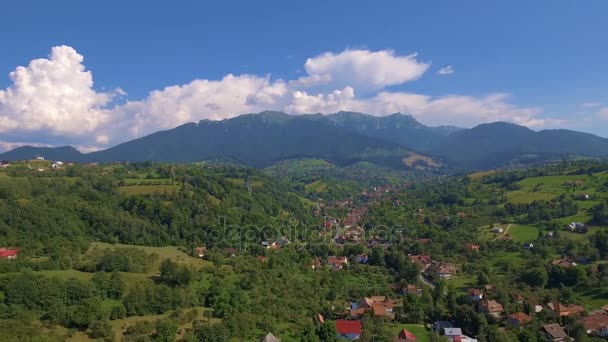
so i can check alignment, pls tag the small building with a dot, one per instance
(424, 261)
(412, 289)
(349, 330)
(577, 227)
(475, 294)
(563, 263)
(200, 251)
(555, 333)
(497, 230)
(337, 263)
(452, 334)
(562, 310)
(231, 252)
(472, 247)
(8, 253)
(596, 324)
(442, 270)
(519, 319)
(316, 263)
(528, 245)
(406, 336)
(362, 258)
(39, 158)
(491, 308)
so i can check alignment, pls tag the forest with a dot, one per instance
(215, 252)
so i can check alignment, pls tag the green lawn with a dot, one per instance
(548, 187)
(524, 233)
(148, 181)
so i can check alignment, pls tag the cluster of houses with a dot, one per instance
(577, 227)
(440, 270)
(378, 306)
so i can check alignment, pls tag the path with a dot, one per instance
(505, 232)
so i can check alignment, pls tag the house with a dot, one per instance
(555, 333)
(316, 263)
(4, 164)
(452, 334)
(518, 319)
(491, 307)
(376, 305)
(438, 325)
(472, 247)
(39, 158)
(423, 260)
(497, 230)
(517, 298)
(412, 289)
(406, 336)
(8, 253)
(528, 245)
(350, 330)
(319, 319)
(231, 252)
(584, 197)
(596, 324)
(563, 263)
(270, 338)
(576, 227)
(475, 294)
(442, 270)
(362, 258)
(200, 251)
(337, 263)
(562, 310)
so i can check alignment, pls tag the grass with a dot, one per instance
(549, 187)
(148, 181)
(316, 186)
(524, 233)
(148, 189)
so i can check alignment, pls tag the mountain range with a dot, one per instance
(342, 138)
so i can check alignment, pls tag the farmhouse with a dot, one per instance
(563, 263)
(555, 333)
(337, 262)
(423, 260)
(8, 253)
(442, 270)
(475, 294)
(379, 306)
(518, 319)
(561, 310)
(412, 289)
(491, 307)
(596, 324)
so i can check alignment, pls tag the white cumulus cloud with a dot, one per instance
(361, 69)
(53, 95)
(52, 101)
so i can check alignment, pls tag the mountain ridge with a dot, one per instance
(343, 138)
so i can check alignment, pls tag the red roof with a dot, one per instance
(5, 253)
(406, 335)
(344, 327)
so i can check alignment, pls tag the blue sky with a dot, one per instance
(538, 63)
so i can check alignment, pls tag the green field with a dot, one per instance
(317, 186)
(549, 187)
(148, 189)
(524, 233)
(148, 181)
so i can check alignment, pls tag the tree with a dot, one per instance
(116, 286)
(166, 329)
(100, 329)
(536, 277)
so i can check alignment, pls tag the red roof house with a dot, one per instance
(406, 336)
(8, 253)
(351, 330)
